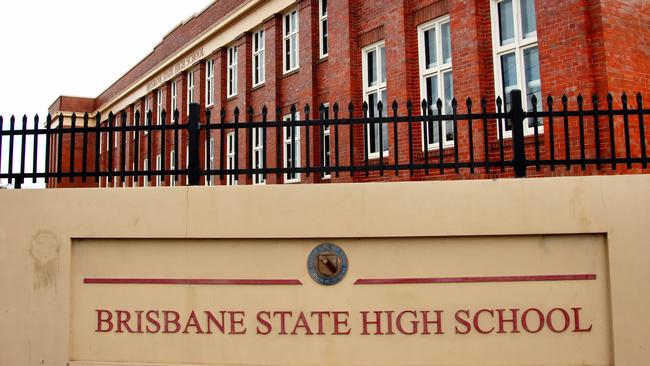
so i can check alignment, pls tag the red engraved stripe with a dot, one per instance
(484, 279)
(192, 281)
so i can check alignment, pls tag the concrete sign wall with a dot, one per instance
(525, 272)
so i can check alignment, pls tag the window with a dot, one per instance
(374, 90)
(516, 56)
(146, 114)
(436, 79)
(115, 178)
(290, 41)
(172, 166)
(323, 34)
(327, 158)
(158, 168)
(190, 90)
(174, 98)
(209, 161)
(135, 178)
(258, 58)
(231, 155)
(209, 82)
(136, 109)
(187, 163)
(291, 150)
(145, 179)
(258, 154)
(159, 106)
(232, 72)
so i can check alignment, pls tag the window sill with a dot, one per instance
(259, 86)
(528, 140)
(290, 73)
(230, 98)
(322, 59)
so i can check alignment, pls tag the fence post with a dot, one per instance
(193, 128)
(517, 120)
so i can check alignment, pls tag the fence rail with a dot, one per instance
(558, 138)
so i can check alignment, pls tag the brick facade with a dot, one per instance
(585, 47)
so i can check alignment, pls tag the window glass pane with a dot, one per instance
(325, 37)
(287, 24)
(323, 7)
(528, 21)
(287, 56)
(430, 54)
(294, 17)
(509, 77)
(432, 92)
(384, 127)
(506, 22)
(448, 81)
(446, 43)
(371, 68)
(383, 64)
(533, 82)
(294, 51)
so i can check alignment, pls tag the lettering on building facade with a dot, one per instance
(180, 66)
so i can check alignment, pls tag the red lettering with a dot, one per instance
(264, 322)
(123, 318)
(476, 320)
(341, 322)
(524, 320)
(463, 322)
(107, 320)
(437, 322)
(237, 318)
(153, 321)
(414, 323)
(577, 328)
(551, 325)
(512, 320)
(320, 315)
(389, 322)
(283, 317)
(366, 322)
(139, 314)
(213, 319)
(193, 322)
(171, 321)
(302, 323)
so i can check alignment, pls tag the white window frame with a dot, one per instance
(231, 155)
(158, 168)
(135, 178)
(209, 160)
(231, 71)
(147, 107)
(115, 178)
(159, 106)
(259, 57)
(292, 36)
(258, 154)
(116, 134)
(135, 110)
(190, 90)
(518, 46)
(209, 83)
(174, 99)
(327, 135)
(439, 71)
(378, 88)
(286, 141)
(145, 180)
(172, 166)
(323, 28)
(187, 163)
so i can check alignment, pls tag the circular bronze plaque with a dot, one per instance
(327, 264)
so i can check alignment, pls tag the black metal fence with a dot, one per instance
(479, 142)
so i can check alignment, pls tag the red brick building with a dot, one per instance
(279, 53)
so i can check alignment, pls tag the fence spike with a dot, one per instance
(483, 103)
(594, 100)
(250, 111)
(624, 98)
(335, 108)
(293, 110)
(549, 101)
(364, 107)
(499, 101)
(639, 98)
(439, 105)
(307, 110)
(236, 112)
(163, 115)
(265, 111)
(565, 100)
(468, 103)
(610, 98)
(425, 106)
(533, 100)
(380, 107)
(351, 108)
(580, 100)
(395, 106)
(409, 106)
(454, 103)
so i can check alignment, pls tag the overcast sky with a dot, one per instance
(76, 47)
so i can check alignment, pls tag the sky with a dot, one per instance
(75, 48)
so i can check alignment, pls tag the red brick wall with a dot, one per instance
(586, 46)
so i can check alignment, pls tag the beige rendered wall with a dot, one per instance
(51, 239)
